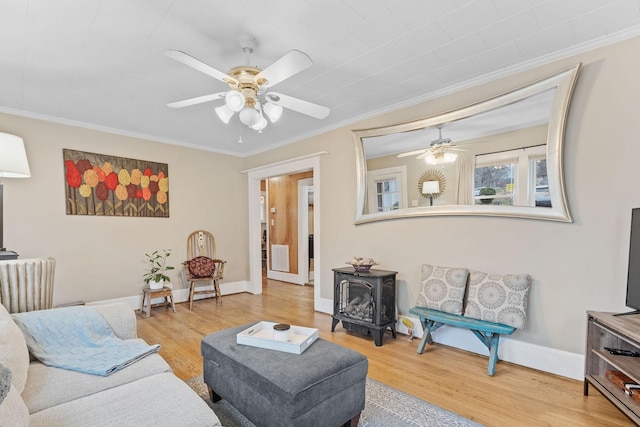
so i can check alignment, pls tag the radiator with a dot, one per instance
(280, 258)
(27, 284)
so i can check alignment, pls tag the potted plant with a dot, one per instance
(155, 277)
(487, 192)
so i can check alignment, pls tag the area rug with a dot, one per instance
(384, 407)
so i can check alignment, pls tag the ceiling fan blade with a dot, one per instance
(295, 104)
(412, 153)
(285, 67)
(196, 100)
(192, 62)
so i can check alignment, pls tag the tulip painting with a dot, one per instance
(100, 184)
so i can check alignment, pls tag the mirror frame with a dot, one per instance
(563, 82)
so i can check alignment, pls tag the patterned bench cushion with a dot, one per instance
(442, 288)
(499, 298)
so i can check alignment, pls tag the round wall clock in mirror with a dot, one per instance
(501, 157)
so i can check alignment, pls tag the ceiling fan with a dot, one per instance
(438, 152)
(247, 94)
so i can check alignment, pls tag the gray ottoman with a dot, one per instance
(324, 386)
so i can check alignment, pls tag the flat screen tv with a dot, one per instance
(633, 273)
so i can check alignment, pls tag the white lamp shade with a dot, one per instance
(249, 116)
(13, 157)
(234, 100)
(224, 113)
(273, 111)
(262, 123)
(430, 187)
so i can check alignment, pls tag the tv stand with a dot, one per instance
(608, 330)
(628, 313)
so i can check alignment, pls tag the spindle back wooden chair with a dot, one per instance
(201, 243)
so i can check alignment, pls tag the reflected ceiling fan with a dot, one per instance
(248, 92)
(438, 152)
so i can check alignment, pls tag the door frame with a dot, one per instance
(255, 175)
(303, 229)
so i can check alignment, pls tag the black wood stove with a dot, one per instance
(365, 301)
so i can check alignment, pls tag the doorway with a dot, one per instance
(287, 213)
(307, 163)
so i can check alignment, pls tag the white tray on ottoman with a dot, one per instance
(261, 335)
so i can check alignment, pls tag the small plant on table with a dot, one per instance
(156, 276)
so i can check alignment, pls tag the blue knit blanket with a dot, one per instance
(79, 339)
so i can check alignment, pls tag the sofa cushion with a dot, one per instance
(49, 386)
(442, 288)
(13, 411)
(498, 298)
(121, 317)
(150, 401)
(13, 350)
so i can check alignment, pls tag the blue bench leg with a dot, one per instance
(426, 336)
(493, 352)
(423, 341)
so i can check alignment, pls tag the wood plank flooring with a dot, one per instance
(448, 377)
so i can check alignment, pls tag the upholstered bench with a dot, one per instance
(323, 386)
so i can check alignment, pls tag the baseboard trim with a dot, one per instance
(181, 295)
(551, 360)
(285, 277)
(323, 305)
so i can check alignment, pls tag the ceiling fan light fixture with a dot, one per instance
(249, 117)
(273, 111)
(450, 157)
(224, 113)
(246, 94)
(234, 100)
(440, 158)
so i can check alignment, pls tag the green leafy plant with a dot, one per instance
(487, 192)
(158, 266)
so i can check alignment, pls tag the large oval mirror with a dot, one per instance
(499, 157)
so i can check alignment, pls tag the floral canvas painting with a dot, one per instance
(100, 184)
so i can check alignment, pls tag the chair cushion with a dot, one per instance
(442, 288)
(498, 298)
(201, 266)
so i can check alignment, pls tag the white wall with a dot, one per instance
(576, 267)
(101, 258)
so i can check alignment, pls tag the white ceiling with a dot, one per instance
(100, 63)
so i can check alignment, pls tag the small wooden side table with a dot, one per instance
(148, 294)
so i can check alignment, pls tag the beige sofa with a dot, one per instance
(144, 393)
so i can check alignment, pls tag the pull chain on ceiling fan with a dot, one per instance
(247, 94)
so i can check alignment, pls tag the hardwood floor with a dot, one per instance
(448, 377)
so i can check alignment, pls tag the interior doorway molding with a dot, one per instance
(286, 167)
(304, 260)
